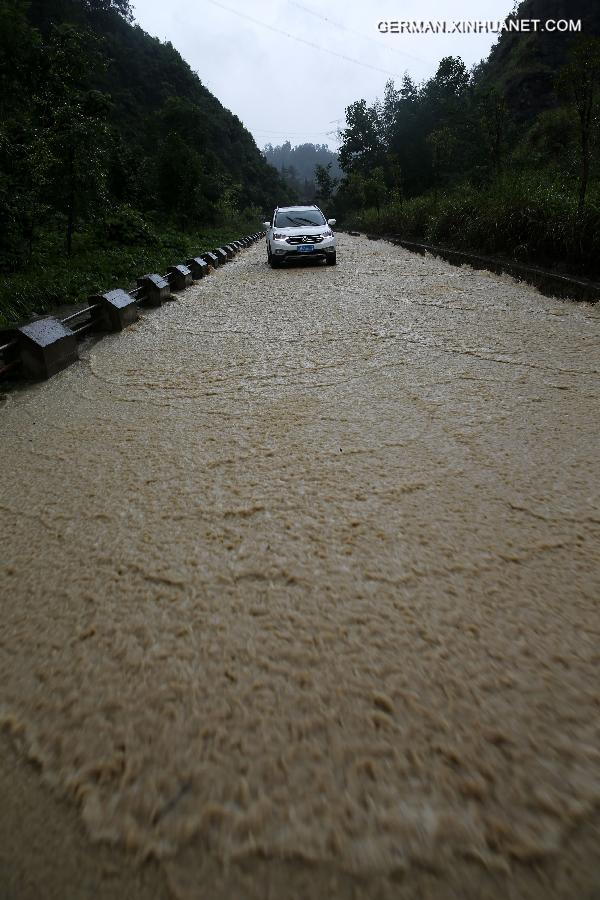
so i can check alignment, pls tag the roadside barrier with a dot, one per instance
(180, 277)
(46, 345)
(199, 267)
(554, 284)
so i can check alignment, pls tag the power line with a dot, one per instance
(346, 28)
(300, 40)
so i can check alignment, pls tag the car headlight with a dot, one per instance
(278, 237)
(328, 233)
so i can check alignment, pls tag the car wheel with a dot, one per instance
(274, 263)
(331, 259)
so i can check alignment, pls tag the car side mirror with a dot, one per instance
(266, 225)
(331, 221)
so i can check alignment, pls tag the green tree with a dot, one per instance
(375, 188)
(75, 117)
(408, 92)
(396, 177)
(122, 7)
(494, 121)
(447, 86)
(351, 194)
(390, 107)
(21, 150)
(361, 148)
(579, 81)
(406, 132)
(442, 144)
(325, 183)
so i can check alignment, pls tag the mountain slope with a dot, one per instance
(153, 93)
(522, 67)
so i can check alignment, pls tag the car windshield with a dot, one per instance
(300, 219)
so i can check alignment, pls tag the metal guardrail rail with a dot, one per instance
(11, 355)
(8, 367)
(77, 315)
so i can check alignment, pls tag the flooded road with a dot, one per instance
(300, 581)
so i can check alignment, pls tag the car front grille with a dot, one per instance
(305, 239)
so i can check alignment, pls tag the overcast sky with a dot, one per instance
(282, 88)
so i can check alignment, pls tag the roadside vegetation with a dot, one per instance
(525, 219)
(97, 264)
(114, 157)
(502, 159)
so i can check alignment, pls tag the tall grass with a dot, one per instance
(97, 265)
(517, 217)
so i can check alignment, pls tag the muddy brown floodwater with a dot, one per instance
(300, 582)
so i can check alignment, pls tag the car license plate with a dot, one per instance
(305, 248)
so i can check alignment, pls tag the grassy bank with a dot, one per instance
(98, 265)
(515, 218)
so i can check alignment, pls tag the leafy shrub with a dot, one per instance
(125, 225)
(516, 216)
(53, 279)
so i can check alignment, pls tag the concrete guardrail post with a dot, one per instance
(45, 347)
(156, 289)
(179, 277)
(212, 259)
(117, 309)
(198, 267)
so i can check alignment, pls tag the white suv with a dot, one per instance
(297, 232)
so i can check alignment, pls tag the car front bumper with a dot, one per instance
(284, 251)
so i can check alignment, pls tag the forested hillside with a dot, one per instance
(501, 159)
(522, 67)
(297, 166)
(111, 151)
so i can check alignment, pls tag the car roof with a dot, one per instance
(285, 208)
